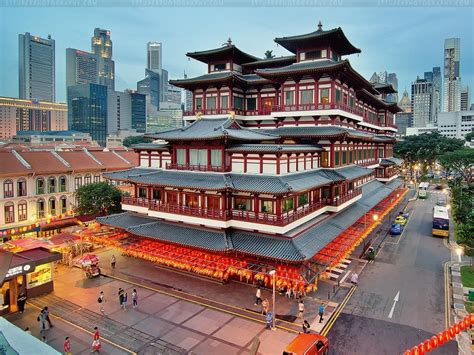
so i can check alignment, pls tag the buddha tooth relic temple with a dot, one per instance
(284, 163)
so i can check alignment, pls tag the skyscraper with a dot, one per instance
(81, 67)
(452, 79)
(87, 105)
(150, 86)
(154, 57)
(36, 67)
(422, 102)
(387, 78)
(465, 99)
(138, 112)
(434, 77)
(405, 103)
(102, 48)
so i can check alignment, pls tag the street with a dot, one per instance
(400, 299)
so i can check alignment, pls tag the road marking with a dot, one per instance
(395, 300)
(327, 327)
(447, 309)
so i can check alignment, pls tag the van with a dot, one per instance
(308, 344)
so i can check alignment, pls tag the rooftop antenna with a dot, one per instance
(320, 26)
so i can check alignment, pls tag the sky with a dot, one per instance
(405, 40)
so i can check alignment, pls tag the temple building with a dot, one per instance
(279, 165)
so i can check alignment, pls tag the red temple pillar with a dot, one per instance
(255, 204)
(278, 164)
(331, 153)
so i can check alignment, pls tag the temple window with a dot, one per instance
(181, 156)
(335, 57)
(324, 96)
(211, 103)
(198, 157)
(306, 97)
(338, 95)
(381, 155)
(267, 206)
(351, 101)
(287, 204)
(238, 102)
(302, 199)
(289, 97)
(213, 202)
(216, 157)
(191, 201)
(243, 204)
(336, 158)
(317, 54)
(251, 103)
(224, 101)
(142, 192)
(344, 157)
(198, 103)
(156, 194)
(220, 66)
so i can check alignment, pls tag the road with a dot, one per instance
(412, 267)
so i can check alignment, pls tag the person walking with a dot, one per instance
(67, 346)
(21, 300)
(46, 316)
(354, 278)
(121, 294)
(113, 261)
(41, 322)
(269, 320)
(306, 327)
(125, 300)
(300, 309)
(265, 305)
(258, 296)
(96, 341)
(321, 312)
(101, 301)
(134, 299)
(288, 292)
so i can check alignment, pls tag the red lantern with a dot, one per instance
(440, 337)
(408, 352)
(457, 329)
(419, 349)
(451, 333)
(471, 318)
(427, 345)
(434, 342)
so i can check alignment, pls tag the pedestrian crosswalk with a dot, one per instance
(336, 272)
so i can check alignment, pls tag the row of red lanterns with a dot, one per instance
(442, 337)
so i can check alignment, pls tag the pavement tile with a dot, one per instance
(155, 303)
(273, 342)
(239, 331)
(179, 311)
(183, 338)
(154, 326)
(213, 346)
(208, 321)
(128, 317)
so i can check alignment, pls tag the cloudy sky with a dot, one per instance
(404, 40)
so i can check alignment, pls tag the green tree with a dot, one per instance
(460, 162)
(98, 198)
(269, 54)
(470, 136)
(129, 141)
(465, 236)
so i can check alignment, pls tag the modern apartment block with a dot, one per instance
(422, 103)
(36, 67)
(452, 79)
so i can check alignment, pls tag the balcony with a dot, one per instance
(339, 200)
(220, 169)
(316, 107)
(215, 111)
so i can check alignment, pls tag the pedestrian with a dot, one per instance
(269, 319)
(67, 346)
(321, 312)
(96, 341)
(101, 301)
(113, 261)
(134, 298)
(258, 296)
(125, 300)
(265, 305)
(41, 322)
(121, 294)
(288, 292)
(27, 330)
(300, 309)
(306, 327)
(46, 316)
(354, 278)
(21, 300)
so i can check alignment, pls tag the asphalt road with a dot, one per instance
(411, 265)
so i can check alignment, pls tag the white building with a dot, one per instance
(415, 131)
(465, 99)
(456, 124)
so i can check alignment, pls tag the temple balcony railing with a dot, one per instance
(220, 169)
(339, 200)
(317, 107)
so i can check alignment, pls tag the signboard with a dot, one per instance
(20, 270)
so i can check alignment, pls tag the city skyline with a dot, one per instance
(130, 38)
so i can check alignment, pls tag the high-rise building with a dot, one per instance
(150, 86)
(30, 115)
(138, 112)
(163, 85)
(422, 103)
(434, 77)
(102, 47)
(452, 79)
(405, 103)
(403, 120)
(386, 78)
(81, 67)
(465, 99)
(87, 105)
(36, 67)
(154, 57)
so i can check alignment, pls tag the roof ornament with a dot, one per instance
(320, 26)
(199, 116)
(232, 115)
(228, 43)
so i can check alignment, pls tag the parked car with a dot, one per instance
(396, 229)
(441, 202)
(401, 220)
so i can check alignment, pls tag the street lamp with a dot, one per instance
(272, 273)
(375, 217)
(459, 251)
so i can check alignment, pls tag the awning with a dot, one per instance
(62, 223)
